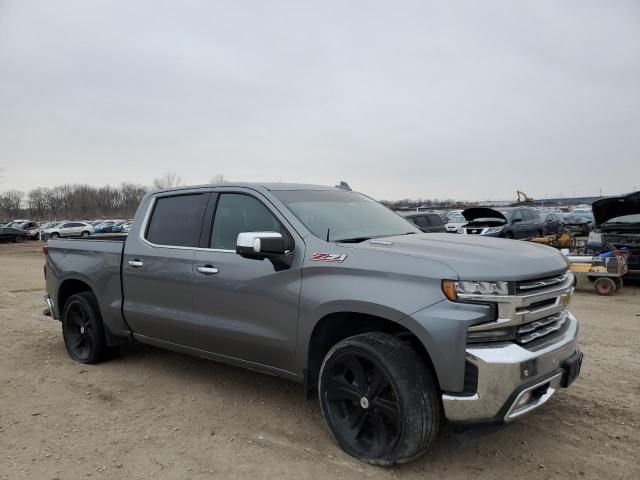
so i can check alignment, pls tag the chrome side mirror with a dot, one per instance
(259, 245)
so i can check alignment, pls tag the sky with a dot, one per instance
(413, 99)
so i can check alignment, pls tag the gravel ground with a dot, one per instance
(155, 414)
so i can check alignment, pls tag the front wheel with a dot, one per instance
(18, 239)
(82, 329)
(85, 234)
(379, 399)
(55, 235)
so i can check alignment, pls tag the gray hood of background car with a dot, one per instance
(474, 213)
(607, 208)
(475, 257)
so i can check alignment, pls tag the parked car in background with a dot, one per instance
(426, 222)
(10, 234)
(617, 226)
(25, 225)
(69, 229)
(126, 227)
(456, 220)
(112, 226)
(552, 223)
(104, 227)
(36, 233)
(578, 223)
(506, 222)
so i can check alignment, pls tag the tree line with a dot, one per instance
(72, 202)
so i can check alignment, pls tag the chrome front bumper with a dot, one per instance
(507, 376)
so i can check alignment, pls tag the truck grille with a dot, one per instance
(528, 332)
(529, 286)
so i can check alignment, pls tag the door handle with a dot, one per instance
(207, 270)
(135, 263)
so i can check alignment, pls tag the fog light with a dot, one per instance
(526, 398)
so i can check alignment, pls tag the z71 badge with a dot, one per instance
(327, 257)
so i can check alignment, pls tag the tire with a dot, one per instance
(540, 233)
(85, 234)
(83, 330)
(379, 399)
(508, 235)
(619, 283)
(604, 286)
(18, 239)
(54, 235)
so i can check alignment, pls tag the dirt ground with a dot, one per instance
(150, 413)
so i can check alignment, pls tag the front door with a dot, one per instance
(247, 309)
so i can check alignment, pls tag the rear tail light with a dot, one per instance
(45, 250)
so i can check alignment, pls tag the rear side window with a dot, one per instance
(237, 213)
(435, 220)
(420, 221)
(177, 221)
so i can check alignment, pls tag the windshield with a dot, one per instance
(456, 218)
(343, 215)
(634, 218)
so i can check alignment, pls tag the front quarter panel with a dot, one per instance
(380, 283)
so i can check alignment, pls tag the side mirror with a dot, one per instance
(259, 245)
(516, 220)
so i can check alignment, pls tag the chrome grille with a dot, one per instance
(532, 285)
(528, 332)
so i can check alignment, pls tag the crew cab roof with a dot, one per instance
(277, 186)
(611, 207)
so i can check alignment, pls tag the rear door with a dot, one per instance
(157, 268)
(246, 309)
(520, 225)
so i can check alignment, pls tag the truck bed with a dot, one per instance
(98, 263)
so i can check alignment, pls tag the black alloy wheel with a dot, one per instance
(82, 329)
(362, 404)
(378, 399)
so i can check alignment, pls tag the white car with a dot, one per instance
(456, 221)
(69, 229)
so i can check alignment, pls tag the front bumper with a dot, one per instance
(512, 380)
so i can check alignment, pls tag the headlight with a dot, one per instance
(459, 289)
(493, 230)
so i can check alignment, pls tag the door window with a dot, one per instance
(237, 213)
(526, 214)
(517, 215)
(420, 221)
(177, 220)
(435, 220)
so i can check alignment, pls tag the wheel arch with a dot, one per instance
(336, 326)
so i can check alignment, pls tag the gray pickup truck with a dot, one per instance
(395, 330)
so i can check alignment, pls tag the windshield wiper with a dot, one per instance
(353, 240)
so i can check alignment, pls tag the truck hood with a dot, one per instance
(474, 213)
(607, 208)
(475, 257)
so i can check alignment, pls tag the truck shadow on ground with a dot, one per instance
(284, 408)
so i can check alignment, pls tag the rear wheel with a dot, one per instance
(85, 234)
(605, 286)
(82, 329)
(619, 283)
(55, 235)
(379, 399)
(508, 235)
(18, 239)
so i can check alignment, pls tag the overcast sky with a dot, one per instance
(470, 100)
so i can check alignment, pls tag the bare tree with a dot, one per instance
(168, 180)
(219, 178)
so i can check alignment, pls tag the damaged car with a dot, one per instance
(617, 227)
(506, 222)
(578, 223)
